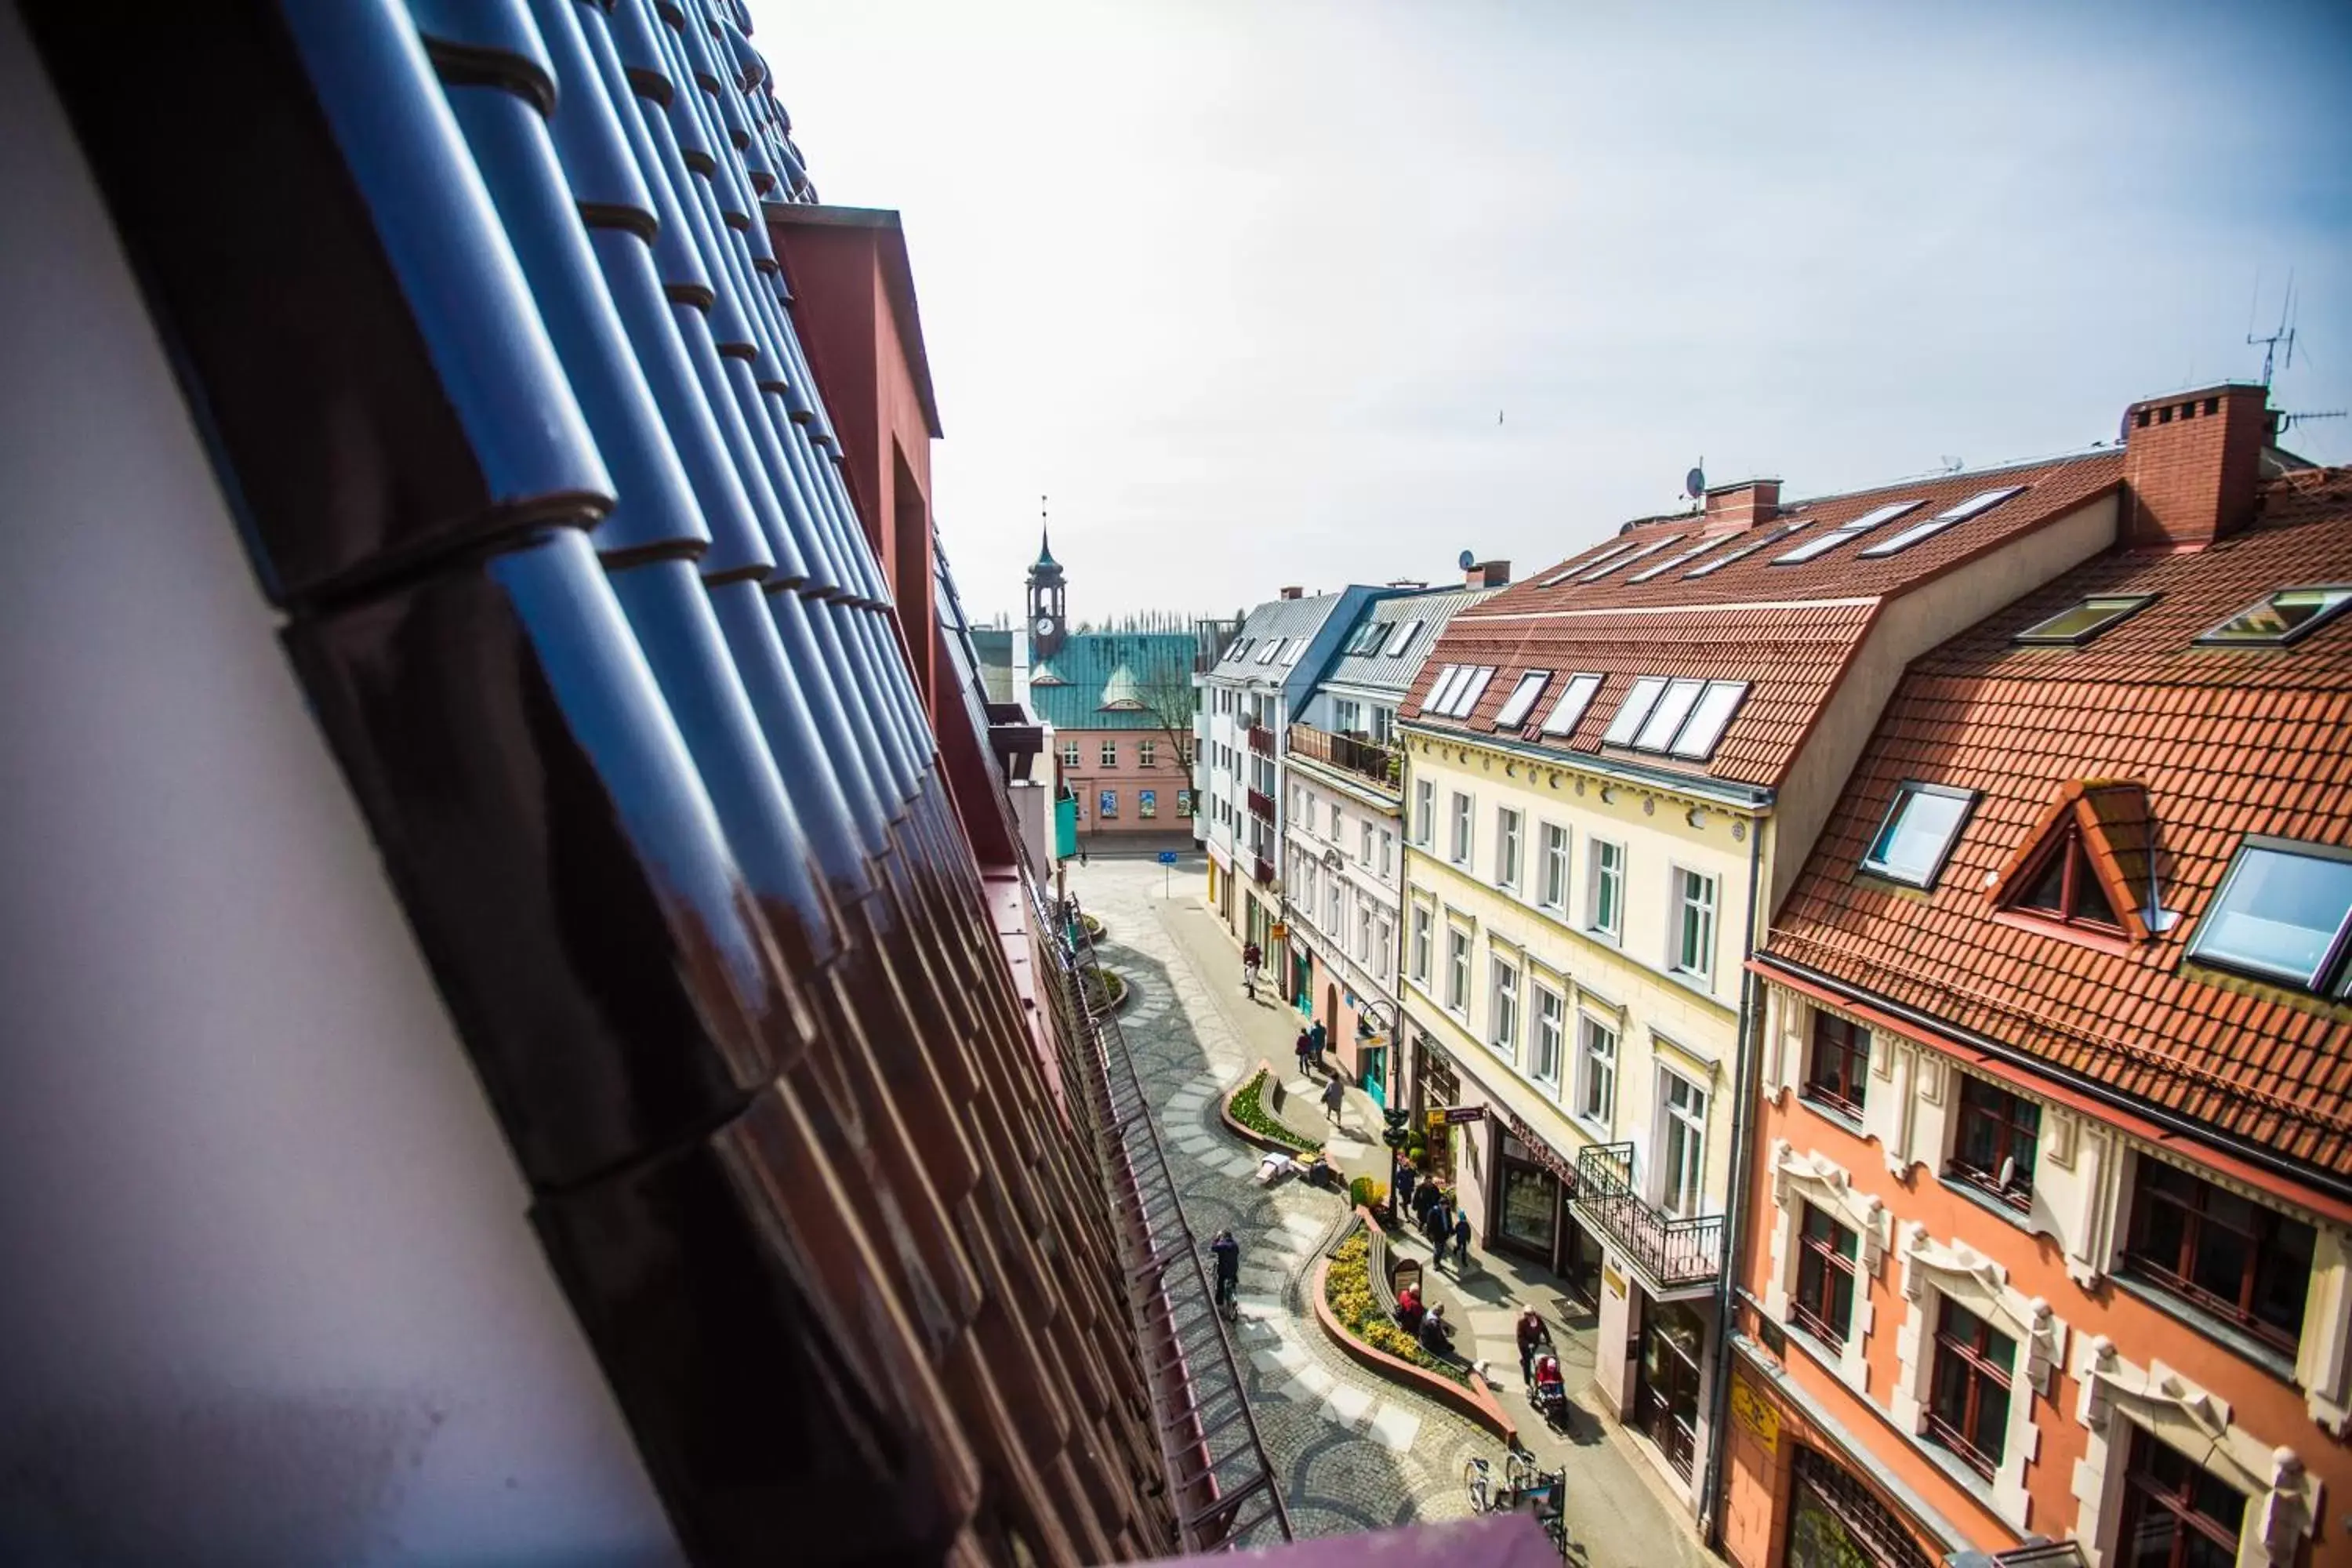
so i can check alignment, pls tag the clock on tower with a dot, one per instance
(1047, 627)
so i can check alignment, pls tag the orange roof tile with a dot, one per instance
(2170, 753)
(1788, 630)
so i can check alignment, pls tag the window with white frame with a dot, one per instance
(1604, 913)
(1457, 969)
(1147, 754)
(1596, 1071)
(1503, 1004)
(1363, 932)
(1070, 753)
(1388, 853)
(1363, 843)
(1682, 1144)
(1692, 952)
(1551, 885)
(1424, 812)
(1334, 834)
(1334, 894)
(1552, 1024)
(1507, 849)
(1383, 948)
(1419, 954)
(1461, 828)
(1110, 753)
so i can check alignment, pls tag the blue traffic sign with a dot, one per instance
(1167, 856)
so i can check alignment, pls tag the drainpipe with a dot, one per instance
(1734, 1213)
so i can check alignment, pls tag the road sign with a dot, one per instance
(1167, 856)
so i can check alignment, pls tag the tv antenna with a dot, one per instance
(2280, 339)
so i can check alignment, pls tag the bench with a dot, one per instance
(1376, 1266)
(1273, 1094)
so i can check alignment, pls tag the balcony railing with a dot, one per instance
(1383, 765)
(1265, 872)
(1261, 805)
(1261, 740)
(1673, 1253)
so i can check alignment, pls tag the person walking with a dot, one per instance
(1298, 1049)
(1533, 1336)
(1251, 958)
(1334, 1094)
(1432, 1230)
(1228, 1253)
(1460, 1241)
(1319, 1039)
(1401, 1185)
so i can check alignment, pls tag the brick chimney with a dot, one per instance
(1487, 575)
(2192, 463)
(1294, 592)
(1743, 505)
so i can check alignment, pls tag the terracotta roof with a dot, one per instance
(2165, 752)
(1788, 630)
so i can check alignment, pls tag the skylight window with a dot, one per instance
(2078, 624)
(1369, 637)
(1522, 700)
(1401, 638)
(1571, 705)
(1744, 551)
(1591, 563)
(1918, 837)
(1633, 710)
(1874, 518)
(1671, 562)
(1983, 502)
(2285, 616)
(1472, 689)
(2283, 912)
(1709, 719)
(1665, 720)
(1435, 701)
(1273, 646)
(1598, 572)
(1292, 649)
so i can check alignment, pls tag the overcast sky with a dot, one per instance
(1245, 286)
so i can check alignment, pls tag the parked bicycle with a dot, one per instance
(1542, 1493)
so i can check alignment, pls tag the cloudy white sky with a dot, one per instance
(1243, 287)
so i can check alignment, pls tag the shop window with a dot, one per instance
(2175, 1514)
(1529, 1213)
(1838, 1073)
(1968, 1405)
(1826, 1266)
(2239, 1260)
(1994, 1149)
(1835, 1522)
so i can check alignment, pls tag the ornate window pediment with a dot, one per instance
(1965, 1275)
(1816, 1179)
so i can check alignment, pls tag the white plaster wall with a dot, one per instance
(269, 1295)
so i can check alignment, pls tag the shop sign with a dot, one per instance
(1614, 1280)
(1465, 1115)
(1543, 1154)
(1437, 1122)
(1277, 932)
(1756, 1414)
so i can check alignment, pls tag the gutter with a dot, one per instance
(2330, 1195)
(1746, 797)
(1743, 1131)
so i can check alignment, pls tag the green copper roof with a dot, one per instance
(1116, 680)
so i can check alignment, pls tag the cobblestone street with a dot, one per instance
(1355, 1452)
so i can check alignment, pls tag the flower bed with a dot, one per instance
(1105, 991)
(1094, 927)
(1259, 1124)
(1349, 1288)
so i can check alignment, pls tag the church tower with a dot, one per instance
(1048, 629)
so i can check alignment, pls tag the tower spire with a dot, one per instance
(1045, 538)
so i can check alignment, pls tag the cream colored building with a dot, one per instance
(1611, 771)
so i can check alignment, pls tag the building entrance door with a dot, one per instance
(1302, 978)
(1331, 1012)
(1376, 1074)
(1665, 1390)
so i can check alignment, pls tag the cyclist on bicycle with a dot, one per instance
(1228, 1253)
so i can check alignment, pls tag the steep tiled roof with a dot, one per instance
(1788, 630)
(2170, 750)
(1395, 671)
(1096, 669)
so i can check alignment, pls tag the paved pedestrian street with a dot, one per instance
(1355, 1452)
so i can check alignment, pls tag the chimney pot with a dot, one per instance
(1487, 575)
(1743, 505)
(1294, 592)
(2192, 465)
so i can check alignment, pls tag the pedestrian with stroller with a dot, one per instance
(1533, 1337)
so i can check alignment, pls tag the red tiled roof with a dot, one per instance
(1786, 630)
(2192, 748)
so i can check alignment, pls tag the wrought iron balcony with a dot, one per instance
(1261, 740)
(1383, 766)
(1261, 805)
(1675, 1254)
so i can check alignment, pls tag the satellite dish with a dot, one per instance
(1469, 559)
(1695, 483)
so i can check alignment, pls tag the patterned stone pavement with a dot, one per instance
(1356, 1452)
